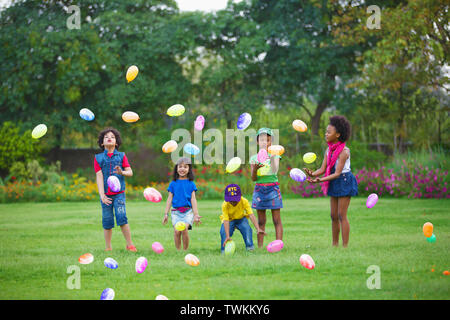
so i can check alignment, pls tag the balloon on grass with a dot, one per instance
(111, 263)
(431, 239)
(86, 258)
(275, 246)
(107, 294)
(230, 248)
(141, 264)
(307, 261)
(191, 260)
(157, 247)
(427, 229)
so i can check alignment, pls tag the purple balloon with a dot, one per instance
(371, 200)
(297, 175)
(199, 123)
(114, 183)
(244, 121)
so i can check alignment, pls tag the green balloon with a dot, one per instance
(432, 239)
(230, 247)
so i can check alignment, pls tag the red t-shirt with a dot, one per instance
(125, 164)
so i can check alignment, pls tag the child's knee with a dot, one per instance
(335, 217)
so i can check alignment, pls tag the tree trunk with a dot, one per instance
(315, 121)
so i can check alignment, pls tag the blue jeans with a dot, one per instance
(243, 226)
(118, 207)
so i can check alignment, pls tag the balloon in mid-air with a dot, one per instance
(191, 260)
(275, 246)
(132, 72)
(86, 258)
(107, 294)
(191, 149)
(113, 183)
(307, 261)
(111, 263)
(230, 247)
(175, 110)
(141, 264)
(87, 114)
(199, 123)
(39, 131)
(309, 157)
(157, 247)
(152, 195)
(276, 150)
(297, 175)
(299, 125)
(244, 121)
(170, 146)
(428, 229)
(233, 164)
(371, 200)
(130, 116)
(180, 226)
(262, 156)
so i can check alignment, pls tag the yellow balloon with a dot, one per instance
(132, 73)
(191, 260)
(180, 226)
(264, 171)
(170, 146)
(130, 116)
(39, 131)
(176, 110)
(309, 157)
(276, 150)
(233, 164)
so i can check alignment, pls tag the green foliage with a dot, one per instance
(16, 147)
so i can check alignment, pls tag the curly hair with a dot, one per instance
(342, 126)
(102, 134)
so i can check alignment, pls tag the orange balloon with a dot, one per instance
(428, 229)
(446, 273)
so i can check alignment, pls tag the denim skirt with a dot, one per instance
(344, 186)
(267, 197)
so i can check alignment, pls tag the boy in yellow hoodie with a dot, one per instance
(235, 213)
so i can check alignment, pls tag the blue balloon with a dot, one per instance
(191, 149)
(244, 121)
(107, 294)
(87, 114)
(111, 263)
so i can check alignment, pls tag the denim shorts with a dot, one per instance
(344, 186)
(186, 217)
(267, 197)
(118, 207)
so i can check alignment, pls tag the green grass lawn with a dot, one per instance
(39, 241)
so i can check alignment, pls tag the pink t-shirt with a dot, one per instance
(125, 164)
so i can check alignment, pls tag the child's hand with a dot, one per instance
(226, 240)
(197, 219)
(316, 180)
(308, 172)
(118, 170)
(166, 217)
(106, 200)
(261, 231)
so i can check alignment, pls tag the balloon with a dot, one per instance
(180, 226)
(175, 110)
(157, 247)
(107, 294)
(169, 146)
(262, 156)
(230, 247)
(299, 125)
(233, 164)
(111, 263)
(191, 260)
(371, 200)
(130, 116)
(244, 121)
(297, 175)
(39, 131)
(428, 229)
(431, 239)
(152, 195)
(86, 258)
(113, 183)
(264, 171)
(132, 72)
(141, 264)
(199, 123)
(161, 297)
(309, 157)
(307, 261)
(276, 150)
(446, 273)
(191, 149)
(275, 246)
(87, 114)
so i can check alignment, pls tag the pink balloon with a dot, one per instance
(157, 247)
(307, 261)
(113, 183)
(371, 200)
(262, 156)
(275, 246)
(141, 264)
(153, 195)
(199, 123)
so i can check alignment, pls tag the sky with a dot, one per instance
(184, 5)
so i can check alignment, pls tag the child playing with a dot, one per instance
(235, 213)
(267, 193)
(104, 163)
(338, 182)
(182, 199)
